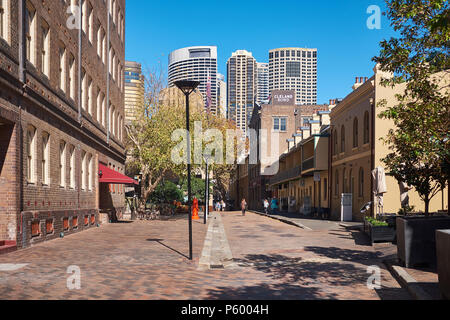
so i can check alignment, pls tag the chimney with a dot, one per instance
(297, 137)
(315, 127)
(291, 143)
(325, 118)
(306, 133)
(359, 81)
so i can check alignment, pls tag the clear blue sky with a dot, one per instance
(337, 28)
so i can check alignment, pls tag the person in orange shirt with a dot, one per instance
(195, 210)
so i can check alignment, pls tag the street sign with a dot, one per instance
(316, 176)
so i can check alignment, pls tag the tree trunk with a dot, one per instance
(427, 206)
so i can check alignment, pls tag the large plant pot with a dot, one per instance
(381, 233)
(443, 261)
(416, 239)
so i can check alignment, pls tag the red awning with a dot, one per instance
(107, 175)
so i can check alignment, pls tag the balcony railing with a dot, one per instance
(308, 164)
(286, 175)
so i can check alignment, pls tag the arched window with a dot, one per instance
(31, 154)
(335, 143)
(366, 127)
(361, 182)
(351, 181)
(336, 182)
(355, 133)
(342, 139)
(344, 181)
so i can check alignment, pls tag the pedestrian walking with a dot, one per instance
(266, 206)
(243, 206)
(274, 206)
(223, 205)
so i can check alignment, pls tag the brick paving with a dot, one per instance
(146, 260)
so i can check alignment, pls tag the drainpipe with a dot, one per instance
(19, 131)
(330, 169)
(80, 51)
(372, 158)
(108, 40)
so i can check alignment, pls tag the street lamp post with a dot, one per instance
(187, 87)
(206, 191)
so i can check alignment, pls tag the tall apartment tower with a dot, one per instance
(199, 64)
(61, 118)
(294, 69)
(241, 88)
(134, 89)
(222, 95)
(262, 75)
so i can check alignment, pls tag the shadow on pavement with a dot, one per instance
(159, 241)
(345, 254)
(263, 291)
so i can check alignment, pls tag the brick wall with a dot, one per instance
(41, 103)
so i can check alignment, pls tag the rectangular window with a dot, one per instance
(31, 151)
(280, 124)
(83, 89)
(45, 158)
(72, 168)
(72, 82)
(45, 49)
(83, 170)
(62, 68)
(62, 164)
(89, 173)
(30, 33)
(4, 19)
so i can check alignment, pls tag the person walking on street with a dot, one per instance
(274, 206)
(243, 206)
(266, 206)
(223, 205)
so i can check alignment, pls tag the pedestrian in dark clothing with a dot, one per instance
(243, 206)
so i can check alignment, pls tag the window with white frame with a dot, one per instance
(30, 33)
(83, 89)
(45, 159)
(83, 170)
(72, 80)
(31, 154)
(62, 67)
(89, 172)
(279, 124)
(62, 164)
(4, 19)
(90, 97)
(72, 181)
(45, 48)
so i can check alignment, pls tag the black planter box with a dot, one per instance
(443, 261)
(416, 239)
(380, 233)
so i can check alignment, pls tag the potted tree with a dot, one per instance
(419, 142)
(379, 231)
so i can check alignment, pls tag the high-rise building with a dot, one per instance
(294, 69)
(61, 119)
(241, 88)
(222, 95)
(262, 74)
(134, 89)
(199, 64)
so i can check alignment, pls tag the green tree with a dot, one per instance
(166, 192)
(149, 138)
(419, 59)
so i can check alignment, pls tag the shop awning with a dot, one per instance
(107, 175)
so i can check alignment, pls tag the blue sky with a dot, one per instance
(337, 28)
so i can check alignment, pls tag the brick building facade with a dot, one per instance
(61, 114)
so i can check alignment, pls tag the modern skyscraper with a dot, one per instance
(262, 74)
(294, 69)
(241, 88)
(222, 95)
(196, 63)
(134, 89)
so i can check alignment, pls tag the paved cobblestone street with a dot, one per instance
(147, 260)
